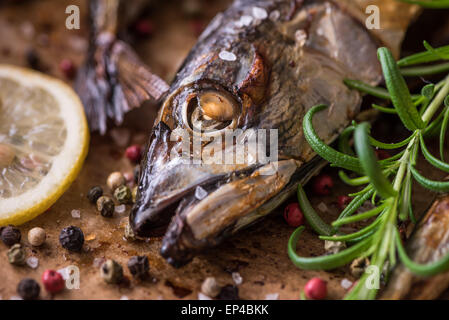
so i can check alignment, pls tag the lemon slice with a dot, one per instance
(44, 140)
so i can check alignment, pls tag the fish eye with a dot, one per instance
(216, 106)
(210, 111)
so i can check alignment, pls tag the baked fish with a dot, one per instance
(259, 66)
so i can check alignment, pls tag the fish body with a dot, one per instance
(260, 65)
(428, 243)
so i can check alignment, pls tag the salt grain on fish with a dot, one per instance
(227, 56)
(259, 13)
(200, 193)
(274, 15)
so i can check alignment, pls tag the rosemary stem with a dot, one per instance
(435, 104)
(404, 162)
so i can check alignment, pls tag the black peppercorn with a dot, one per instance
(10, 235)
(28, 289)
(71, 238)
(94, 193)
(229, 292)
(139, 266)
(32, 59)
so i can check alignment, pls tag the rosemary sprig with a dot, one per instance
(431, 4)
(388, 182)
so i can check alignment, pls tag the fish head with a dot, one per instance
(228, 144)
(201, 137)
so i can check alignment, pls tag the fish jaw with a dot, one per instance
(205, 222)
(202, 224)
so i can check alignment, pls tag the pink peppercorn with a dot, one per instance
(144, 28)
(316, 289)
(67, 68)
(133, 153)
(343, 201)
(293, 215)
(53, 281)
(322, 184)
(382, 154)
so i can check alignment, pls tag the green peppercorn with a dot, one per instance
(111, 272)
(358, 266)
(16, 255)
(123, 194)
(94, 193)
(105, 205)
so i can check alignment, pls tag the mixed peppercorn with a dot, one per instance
(72, 238)
(10, 235)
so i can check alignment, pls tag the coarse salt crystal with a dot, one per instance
(272, 296)
(32, 262)
(322, 207)
(64, 273)
(259, 13)
(200, 193)
(76, 214)
(346, 284)
(98, 262)
(120, 209)
(237, 278)
(227, 56)
(202, 296)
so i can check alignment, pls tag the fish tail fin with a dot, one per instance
(113, 81)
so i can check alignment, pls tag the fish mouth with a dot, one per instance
(227, 208)
(150, 216)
